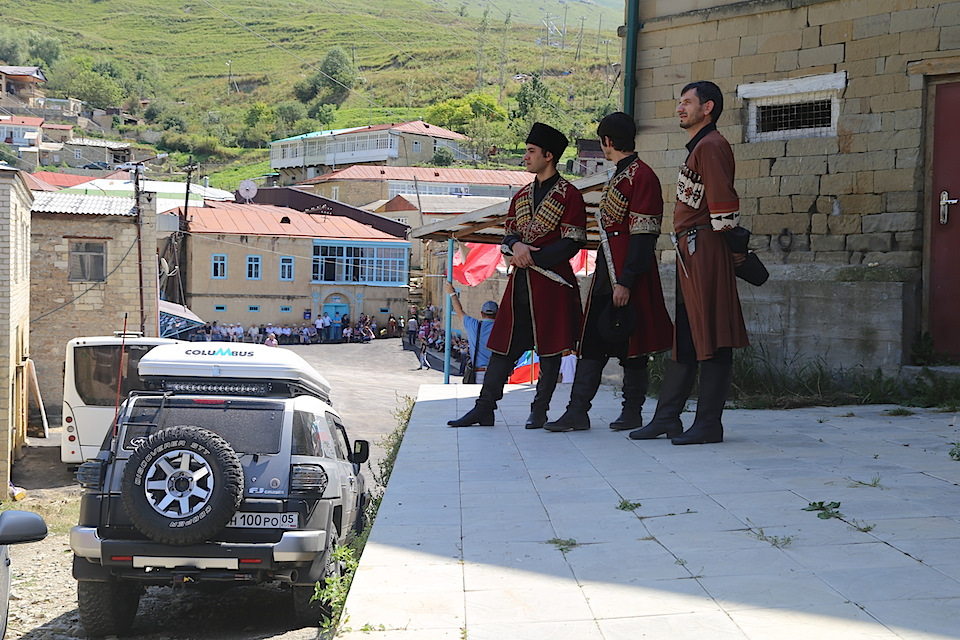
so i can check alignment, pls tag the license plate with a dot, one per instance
(264, 521)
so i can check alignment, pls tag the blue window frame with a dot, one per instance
(220, 307)
(253, 308)
(381, 263)
(286, 267)
(218, 266)
(285, 309)
(253, 267)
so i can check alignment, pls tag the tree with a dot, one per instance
(46, 49)
(533, 98)
(259, 112)
(339, 74)
(453, 114)
(11, 46)
(443, 157)
(325, 114)
(290, 111)
(8, 155)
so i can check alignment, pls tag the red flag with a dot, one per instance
(479, 265)
(584, 262)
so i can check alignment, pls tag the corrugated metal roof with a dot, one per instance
(448, 204)
(22, 121)
(36, 184)
(60, 127)
(77, 203)
(486, 225)
(266, 220)
(415, 126)
(427, 174)
(61, 179)
(98, 142)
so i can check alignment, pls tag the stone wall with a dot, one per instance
(15, 200)
(63, 310)
(853, 198)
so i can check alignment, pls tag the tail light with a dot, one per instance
(308, 478)
(90, 474)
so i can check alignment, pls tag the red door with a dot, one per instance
(945, 224)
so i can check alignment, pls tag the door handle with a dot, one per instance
(945, 201)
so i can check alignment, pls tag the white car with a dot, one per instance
(126, 166)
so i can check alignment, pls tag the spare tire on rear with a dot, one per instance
(182, 485)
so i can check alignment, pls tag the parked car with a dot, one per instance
(232, 468)
(126, 166)
(97, 166)
(15, 527)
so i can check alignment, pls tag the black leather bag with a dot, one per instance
(469, 374)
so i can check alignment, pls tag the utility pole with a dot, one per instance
(580, 39)
(599, 29)
(563, 36)
(136, 199)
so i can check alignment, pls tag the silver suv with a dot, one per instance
(232, 468)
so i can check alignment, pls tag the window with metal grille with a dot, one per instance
(88, 261)
(805, 107)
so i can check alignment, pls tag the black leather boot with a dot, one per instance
(549, 372)
(586, 381)
(634, 393)
(677, 384)
(498, 370)
(714, 388)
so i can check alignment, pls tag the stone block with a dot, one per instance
(949, 38)
(787, 61)
(679, 36)
(828, 243)
(682, 54)
(703, 69)
(868, 242)
(808, 185)
(758, 187)
(773, 42)
(891, 222)
(749, 206)
(748, 64)
(865, 182)
(829, 12)
(948, 14)
(896, 180)
(748, 45)
(726, 48)
(754, 150)
(919, 41)
(859, 123)
(801, 256)
(908, 240)
(818, 223)
(911, 20)
(837, 183)
(774, 204)
(897, 101)
(811, 37)
(909, 119)
(812, 146)
(836, 32)
(832, 257)
(830, 54)
(907, 259)
(774, 224)
(895, 201)
(843, 224)
(861, 203)
(805, 203)
(851, 162)
(871, 48)
(749, 169)
(871, 26)
(799, 165)
(739, 26)
(722, 68)
(653, 58)
(856, 257)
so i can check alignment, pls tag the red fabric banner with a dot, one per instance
(479, 265)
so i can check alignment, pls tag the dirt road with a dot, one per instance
(367, 380)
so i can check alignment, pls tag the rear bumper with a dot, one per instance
(293, 547)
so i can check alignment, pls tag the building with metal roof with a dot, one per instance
(404, 144)
(256, 263)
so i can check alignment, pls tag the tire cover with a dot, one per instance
(182, 485)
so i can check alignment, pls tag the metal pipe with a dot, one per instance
(448, 316)
(630, 59)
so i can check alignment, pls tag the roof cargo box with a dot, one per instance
(224, 361)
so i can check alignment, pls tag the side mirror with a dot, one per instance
(21, 526)
(361, 452)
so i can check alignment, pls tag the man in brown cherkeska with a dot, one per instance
(709, 321)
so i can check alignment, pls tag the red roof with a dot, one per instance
(36, 184)
(62, 180)
(265, 220)
(418, 127)
(427, 174)
(21, 120)
(62, 127)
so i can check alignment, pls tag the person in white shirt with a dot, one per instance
(254, 333)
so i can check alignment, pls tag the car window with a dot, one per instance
(250, 426)
(338, 441)
(305, 438)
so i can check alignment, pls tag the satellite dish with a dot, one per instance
(247, 189)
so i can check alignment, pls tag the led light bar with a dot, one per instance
(231, 388)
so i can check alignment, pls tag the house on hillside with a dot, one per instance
(20, 87)
(78, 152)
(15, 345)
(360, 185)
(309, 155)
(590, 159)
(20, 131)
(259, 264)
(841, 117)
(89, 268)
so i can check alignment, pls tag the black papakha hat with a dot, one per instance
(548, 139)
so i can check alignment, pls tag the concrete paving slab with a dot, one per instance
(505, 532)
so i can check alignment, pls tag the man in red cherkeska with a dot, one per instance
(709, 321)
(540, 310)
(631, 210)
